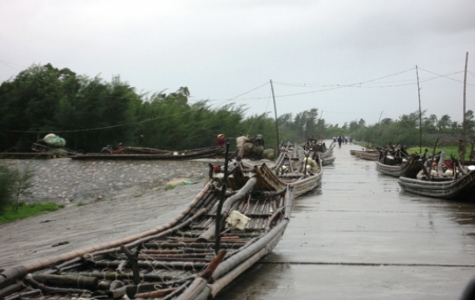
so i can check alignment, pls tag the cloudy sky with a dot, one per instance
(350, 59)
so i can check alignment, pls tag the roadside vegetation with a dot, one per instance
(90, 113)
(14, 185)
(449, 151)
(27, 210)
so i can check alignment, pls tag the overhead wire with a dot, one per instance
(224, 100)
(267, 105)
(351, 84)
(446, 76)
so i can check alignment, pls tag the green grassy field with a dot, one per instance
(28, 210)
(449, 150)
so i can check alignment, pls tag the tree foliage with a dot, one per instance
(91, 113)
(7, 195)
(407, 130)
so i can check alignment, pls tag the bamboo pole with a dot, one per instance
(420, 111)
(220, 203)
(464, 98)
(276, 123)
(433, 156)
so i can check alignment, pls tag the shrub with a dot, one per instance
(13, 184)
(169, 187)
(6, 188)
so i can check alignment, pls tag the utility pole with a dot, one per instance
(464, 97)
(378, 138)
(276, 123)
(322, 133)
(420, 111)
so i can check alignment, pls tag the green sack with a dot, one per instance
(54, 140)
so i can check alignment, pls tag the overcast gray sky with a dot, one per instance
(350, 59)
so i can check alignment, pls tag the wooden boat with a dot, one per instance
(140, 153)
(328, 160)
(365, 154)
(326, 154)
(392, 166)
(291, 168)
(322, 149)
(193, 257)
(459, 184)
(446, 188)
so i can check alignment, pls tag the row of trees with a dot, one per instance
(413, 130)
(91, 113)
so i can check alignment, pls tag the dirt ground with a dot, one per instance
(79, 226)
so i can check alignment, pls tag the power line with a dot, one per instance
(351, 84)
(235, 97)
(99, 128)
(446, 75)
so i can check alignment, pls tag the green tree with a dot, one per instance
(354, 126)
(361, 123)
(28, 104)
(469, 122)
(6, 187)
(21, 184)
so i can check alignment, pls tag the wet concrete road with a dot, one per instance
(361, 237)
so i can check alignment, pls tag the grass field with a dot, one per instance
(449, 150)
(27, 210)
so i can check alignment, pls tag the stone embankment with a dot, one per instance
(66, 181)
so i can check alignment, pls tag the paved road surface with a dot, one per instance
(361, 237)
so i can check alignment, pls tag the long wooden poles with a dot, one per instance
(276, 123)
(420, 111)
(221, 201)
(464, 97)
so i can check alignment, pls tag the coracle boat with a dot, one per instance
(395, 167)
(328, 160)
(322, 149)
(142, 153)
(365, 154)
(233, 222)
(326, 154)
(462, 188)
(302, 173)
(457, 183)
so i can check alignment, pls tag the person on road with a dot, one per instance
(340, 140)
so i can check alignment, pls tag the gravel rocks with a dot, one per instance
(67, 181)
(106, 201)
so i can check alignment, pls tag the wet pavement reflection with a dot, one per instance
(360, 237)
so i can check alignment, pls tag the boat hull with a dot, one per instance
(367, 155)
(409, 168)
(463, 188)
(301, 181)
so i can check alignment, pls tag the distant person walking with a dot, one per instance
(340, 140)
